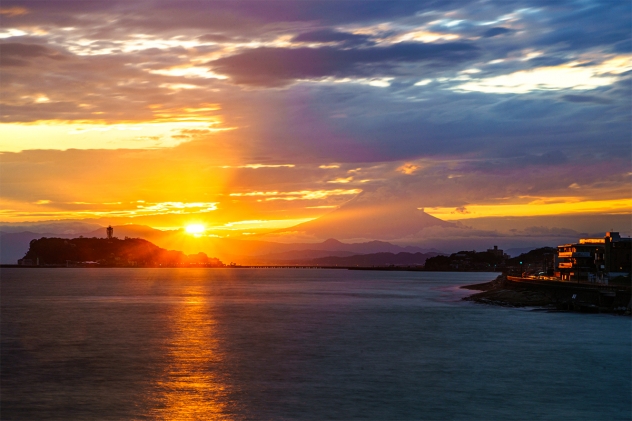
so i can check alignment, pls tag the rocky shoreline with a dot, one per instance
(500, 292)
(497, 292)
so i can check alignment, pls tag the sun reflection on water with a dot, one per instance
(191, 386)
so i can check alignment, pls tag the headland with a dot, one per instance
(511, 291)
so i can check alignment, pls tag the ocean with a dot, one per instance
(297, 344)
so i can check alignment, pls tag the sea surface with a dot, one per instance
(297, 344)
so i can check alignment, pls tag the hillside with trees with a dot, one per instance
(129, 252)
(466, 261)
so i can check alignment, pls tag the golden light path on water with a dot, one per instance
(190, 388)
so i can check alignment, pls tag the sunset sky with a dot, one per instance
(247, 116)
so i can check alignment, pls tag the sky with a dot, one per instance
(502, 117)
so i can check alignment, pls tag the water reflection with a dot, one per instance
(191, 386)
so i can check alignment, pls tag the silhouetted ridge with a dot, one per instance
(358, 219)
(466, 261)
(110, 252)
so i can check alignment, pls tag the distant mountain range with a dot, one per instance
(368, 260)
(65, 227)
(14, 245)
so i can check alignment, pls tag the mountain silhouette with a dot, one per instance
(373, 259)
(358, 219)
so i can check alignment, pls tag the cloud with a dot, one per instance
(257, 166)
(328, 35)
(574, 76)
(586, 98)
(249, 18)
(298, 195)
(19, 54)
(215, 38)
(408, 168)
(279, 66)
(13, 11)
(496, 31)
(587, 27)
(341, 180)
(549, 231)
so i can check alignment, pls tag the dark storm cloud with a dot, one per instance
(278, 66)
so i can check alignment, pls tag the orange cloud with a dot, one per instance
(296, 195)
(569, 206)
(13, 11)
(408, 169)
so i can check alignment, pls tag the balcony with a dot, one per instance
(567, 254)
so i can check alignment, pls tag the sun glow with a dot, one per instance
(164, 132)
(195, 229)
(564, 206)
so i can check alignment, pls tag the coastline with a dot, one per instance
(505, 293)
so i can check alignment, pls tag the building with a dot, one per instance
(595, 259)
(617, 256)
(495, 251)
(577, 261)
(498, 253)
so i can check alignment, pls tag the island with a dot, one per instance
(109, 252)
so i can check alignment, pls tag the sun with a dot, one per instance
(195, 229)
